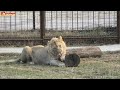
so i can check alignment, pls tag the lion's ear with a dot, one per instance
(60, 38)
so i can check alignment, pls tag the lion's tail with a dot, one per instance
(12, 61)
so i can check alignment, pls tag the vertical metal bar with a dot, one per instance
(115, 16)
(15, 20)
(93, 20)
(83, 24)
(21, 20)
(88, 20)
(82, 20)
(118, 26)
(61, 20)
(4, 23)
(98, 22)
(33, 20)
(27, 20)
(10, 22)
(104, 19)
(51, 22)
(109, 18)
(66, 20)
(109, 23)
(77, 20)
(88, 23)
(42, 25)
(104, 27)
(72, 20)
(98, 18)
(56, 21)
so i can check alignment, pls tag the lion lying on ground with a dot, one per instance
(51, 54)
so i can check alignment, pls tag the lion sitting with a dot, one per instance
(51, 54)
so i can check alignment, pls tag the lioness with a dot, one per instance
(51, 54)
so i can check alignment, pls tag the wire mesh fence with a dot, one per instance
(20, 28)
(82, 23)
(76, 27)
(19, 25)
(83, 27)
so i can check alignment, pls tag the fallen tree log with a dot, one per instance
(87, 51)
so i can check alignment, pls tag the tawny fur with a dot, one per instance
(51, 54)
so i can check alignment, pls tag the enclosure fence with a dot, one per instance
(76, 27)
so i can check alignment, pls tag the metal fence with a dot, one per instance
(76, 27)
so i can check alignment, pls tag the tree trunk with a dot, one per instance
(87, 51)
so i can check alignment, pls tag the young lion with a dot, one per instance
(52, 54)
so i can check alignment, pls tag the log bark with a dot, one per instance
(87, 51)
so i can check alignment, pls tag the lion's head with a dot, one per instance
(57, 48)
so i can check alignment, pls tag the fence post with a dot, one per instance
(42, 25)
(118, 26)
(33, 20)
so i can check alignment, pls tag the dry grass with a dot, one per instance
(106, 67)
(98, 31)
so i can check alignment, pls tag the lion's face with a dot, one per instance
(58, 47)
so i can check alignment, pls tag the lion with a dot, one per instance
(26, 55)
(52, 54)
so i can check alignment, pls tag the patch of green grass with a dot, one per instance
(106, 67)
